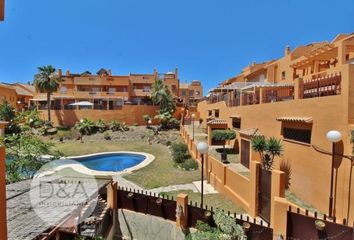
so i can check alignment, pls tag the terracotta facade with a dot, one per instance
(297, 98)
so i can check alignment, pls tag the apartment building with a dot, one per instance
(117, 97)
(297, 98)
(17, 94)
(108, 92)
(192, 92)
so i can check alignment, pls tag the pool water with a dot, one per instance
(112, 162)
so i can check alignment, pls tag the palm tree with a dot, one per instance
(162, 96)
(268, 149)
(46, 80)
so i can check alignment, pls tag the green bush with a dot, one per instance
(85, 126)
(115, 125)
(180, 152)
(101, 125)
(189, 164)
(107, 136)
(226, 229)
(173, 123)
(223, 135)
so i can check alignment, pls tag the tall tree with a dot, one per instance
(162, 96)
(46, 80)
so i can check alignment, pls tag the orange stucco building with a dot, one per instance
(297, 98)
(125, 98)
(192, 92)
(17, 94)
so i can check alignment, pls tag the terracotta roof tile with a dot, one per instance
(296, 119)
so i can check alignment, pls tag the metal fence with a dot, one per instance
(316, 226)
(165, 207)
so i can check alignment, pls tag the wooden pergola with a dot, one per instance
(325, 53)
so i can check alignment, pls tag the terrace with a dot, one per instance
(249, 93)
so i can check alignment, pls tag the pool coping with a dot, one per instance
(83, 169)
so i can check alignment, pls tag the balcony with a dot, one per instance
(141, 92)
(320, 87)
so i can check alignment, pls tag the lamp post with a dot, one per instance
(193, 116)
(202, 148)
(149, 122)
(182, 117)
(334, 137)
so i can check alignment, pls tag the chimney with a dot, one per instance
(59, 72)
(155, 73)
(287, 50)
(109, 72)
(2, 10)
(67, 73)
(176, 73)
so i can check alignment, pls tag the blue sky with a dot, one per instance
(208, 40)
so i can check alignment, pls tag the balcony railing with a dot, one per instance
(321, 87)
(142, 92)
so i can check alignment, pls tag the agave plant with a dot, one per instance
(101, 125)
(115, 125)
(85, 127)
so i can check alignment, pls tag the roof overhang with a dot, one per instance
(295, 119)
(249, 132)
(217, 122)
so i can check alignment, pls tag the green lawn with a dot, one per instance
(161, 172)
(214, 200)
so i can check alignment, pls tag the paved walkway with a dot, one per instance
(194, 186)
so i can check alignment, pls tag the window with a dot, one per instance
(191, 93)
(63, 90)
(216, 114)
(183, 93)
(210, 113)
(283, 75)
(236, 123)
(197, 93)
(299, 135)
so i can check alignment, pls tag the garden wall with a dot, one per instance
(130, 114)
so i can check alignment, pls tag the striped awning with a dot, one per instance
(295, 119)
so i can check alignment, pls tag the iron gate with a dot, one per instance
(264, 194)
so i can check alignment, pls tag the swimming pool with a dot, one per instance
(111, 162)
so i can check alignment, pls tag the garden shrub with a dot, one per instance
(101, 125)
(189, 164)
(107, 136)
(222, 135)
(180, 152)
(227, 229)
(173, 123)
